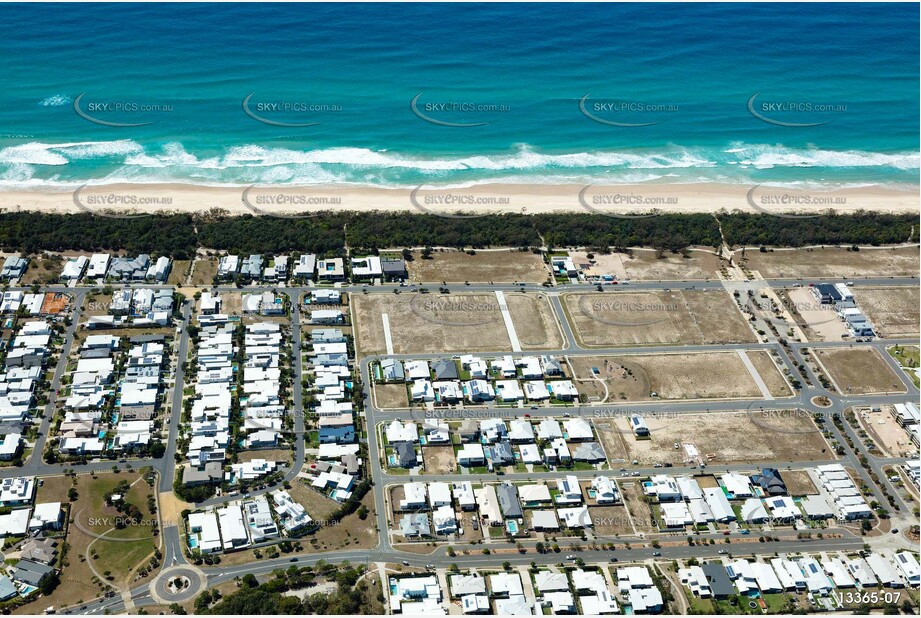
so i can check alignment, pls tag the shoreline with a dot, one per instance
(478, 199)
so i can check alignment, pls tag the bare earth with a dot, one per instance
(799, 483)
(859, 371)
(769, 372)
(674, 376)
(391, 396)
(649, 265)
(894, 312)
(439, 459)
(453, 323)
(602, 319)
(722, 437)
(834, 262)
(819, 321)
(506, 266)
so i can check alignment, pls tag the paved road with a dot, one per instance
(385, 552)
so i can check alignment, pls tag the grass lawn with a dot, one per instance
(908, 357)
(90, 517)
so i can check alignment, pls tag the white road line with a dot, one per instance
(507, 318)
(765, 392)
(388, 339)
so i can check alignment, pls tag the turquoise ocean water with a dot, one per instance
(398, 95)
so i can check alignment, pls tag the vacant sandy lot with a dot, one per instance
(892, 311)
(619, 318)
(819, 322)
(452, 322)
(203, 271)
(391, 396)
(439, 459)
(611, 520)
(770, 373)
(833, 262)
(798, 483)
(634, 377)
(721, 438)
(458, 267)
(649, 265)
(891, 437)
(640, 514)
(859, 370)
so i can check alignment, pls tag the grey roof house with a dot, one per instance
(508, 501)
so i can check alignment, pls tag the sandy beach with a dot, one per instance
(127, 199)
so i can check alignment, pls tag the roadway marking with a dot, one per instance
(388, 338)
(507, 318)
(765, 392)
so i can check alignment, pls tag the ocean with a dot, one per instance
(809, 95)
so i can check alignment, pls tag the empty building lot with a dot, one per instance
(650, 265)
(858, 371)
(425, 323)
(719, 437)
(819, 322)
(603, 319)
(390, 396)
(893, 311)
(635, 377)
(505, 266)
(832, 262)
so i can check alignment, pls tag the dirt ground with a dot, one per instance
(204, 271)
(602, 319)
(798, 483)
(44, 268)
(894, 312)
(179, 271)
(452, 322)
(390, 396)
(819, 321)
(769, 372)
(833, 262)
(649, 265)
(672, 376)
(720, 438)
(640, 513)
(891, 437)
(497, 266)
(610, 520)
(859, 370)
(439, 460)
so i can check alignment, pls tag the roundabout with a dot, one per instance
(178, 584)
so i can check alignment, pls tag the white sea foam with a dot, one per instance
(172, 162)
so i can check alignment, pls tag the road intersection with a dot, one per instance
(156, 590)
